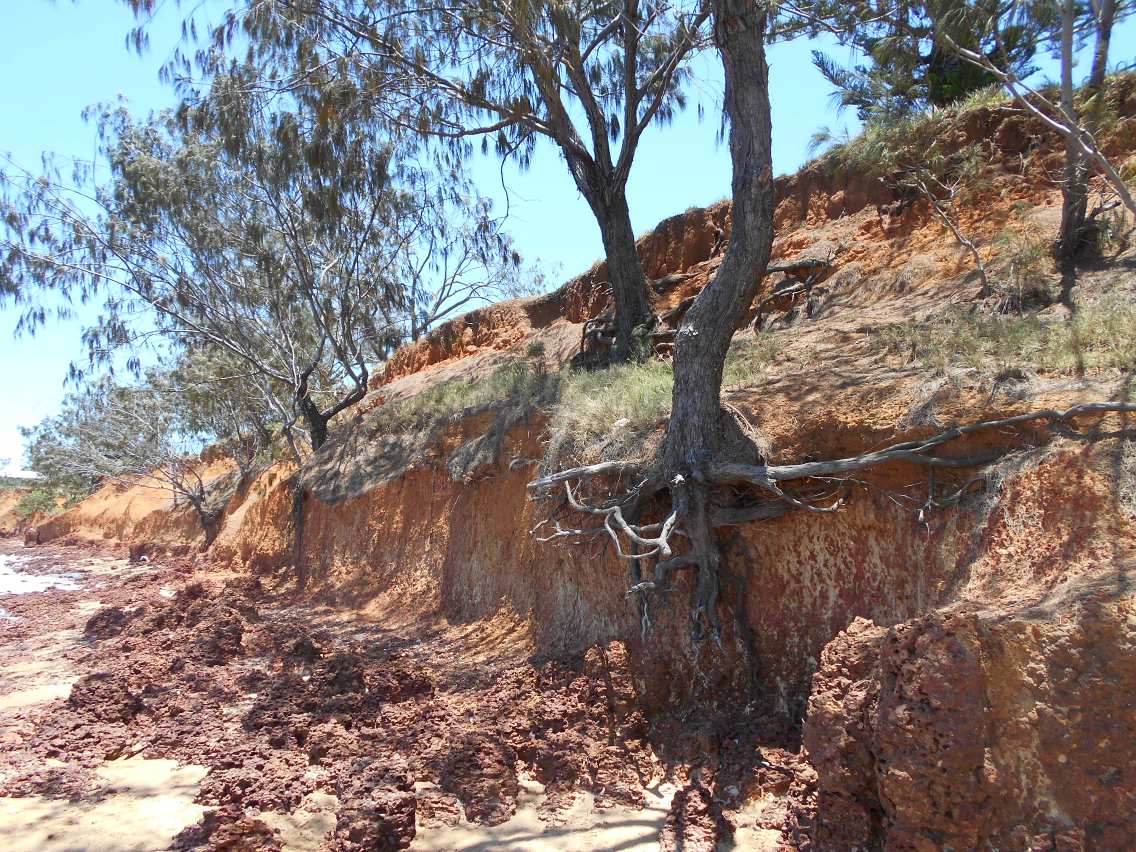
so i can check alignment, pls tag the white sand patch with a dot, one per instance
(583, 826)
(37, 670)
(150, 802)
(303, 830)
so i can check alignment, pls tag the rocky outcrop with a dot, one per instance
(974, 729)
(1004, 719)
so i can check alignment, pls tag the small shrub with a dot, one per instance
(1113, 230)
(37, 501)
(1021, 270)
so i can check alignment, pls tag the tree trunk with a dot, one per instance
(210, 521)
(317, 422)
(624, 269)
(1100, 52)
(710, 323)
(1074, 189)
(697, 430)
(298, 499)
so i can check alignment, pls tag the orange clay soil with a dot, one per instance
(958, 674)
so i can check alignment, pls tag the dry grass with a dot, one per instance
(1023, 266)
(748, 359)
(1101, 335)
(1126, 475)
(880, 144)
(610, 411)
(520, 381)
(607, 412)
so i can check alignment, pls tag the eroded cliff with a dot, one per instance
(959, 668)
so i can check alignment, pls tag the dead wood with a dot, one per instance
(915, 452)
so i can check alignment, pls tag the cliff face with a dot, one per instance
(960, 671)
(1000, 719)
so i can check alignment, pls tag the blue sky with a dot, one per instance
(58, 58)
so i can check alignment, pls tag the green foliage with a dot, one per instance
(510, 72)
(907, 70)
(588, 76)
(148, 434)
(291, 250)
(889, 142)
(110, 431)
(1101, 334)
(40, 501)
(900, 150)
(614, 408)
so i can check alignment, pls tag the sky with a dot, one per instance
(56, 58)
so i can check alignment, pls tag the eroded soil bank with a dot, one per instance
(151, 706)
(947, 662)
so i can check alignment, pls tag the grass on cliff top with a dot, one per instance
(521, 381)
(613, 412)
(614, 409)
(875, 149)
(1100, 335)
(617, 412)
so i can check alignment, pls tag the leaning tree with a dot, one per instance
(701, 435)
(589, 76)
(296, 246)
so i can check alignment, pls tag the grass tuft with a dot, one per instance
(1101, 335)
(611, 409)
(520, 381)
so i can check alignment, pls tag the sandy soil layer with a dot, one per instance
(150, 707)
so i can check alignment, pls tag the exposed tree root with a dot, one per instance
(710, 499)
(910, 451)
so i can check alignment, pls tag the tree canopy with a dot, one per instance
(300, 250)
(590, 76)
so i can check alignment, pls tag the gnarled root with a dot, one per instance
(719, 493)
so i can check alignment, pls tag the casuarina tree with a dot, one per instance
(588, 76)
